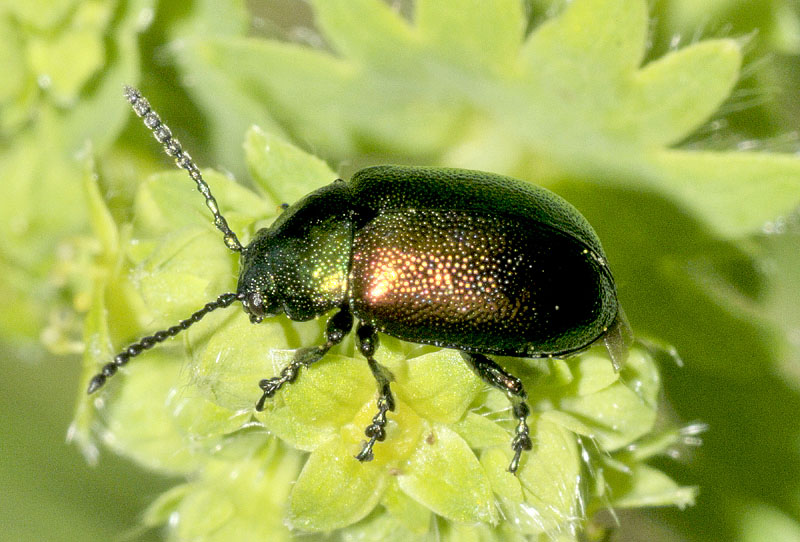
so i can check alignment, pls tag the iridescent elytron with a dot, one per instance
(461, 259)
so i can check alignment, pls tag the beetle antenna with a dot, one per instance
(173, 148)
(134, 349)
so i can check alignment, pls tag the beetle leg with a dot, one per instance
(497, 377)
(376, 431)
(337, 329)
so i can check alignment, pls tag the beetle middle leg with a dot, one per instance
(376, 431)
(497, 377)
(337, 329)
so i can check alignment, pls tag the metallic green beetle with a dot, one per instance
(461, 259)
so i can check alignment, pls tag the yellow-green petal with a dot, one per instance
(284, 172)
(544, 496)
(444, 475)
(334, 489)
(439, 386)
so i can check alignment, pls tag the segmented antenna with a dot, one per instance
(134, 349)
(173, 148)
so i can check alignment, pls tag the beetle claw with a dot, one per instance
(260, 403)
(520, 443)
(366, 452)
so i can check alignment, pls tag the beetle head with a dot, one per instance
(257, 286)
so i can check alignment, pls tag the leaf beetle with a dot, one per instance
(460, 259)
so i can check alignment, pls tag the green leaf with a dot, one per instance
(481, 432)
(282, 73)
(619, 413)
(99, 115)
(570, 101)
(645, 486)
(96, 341)
(738, 191)
(450, 29)
(241, 496)
(228, 108)
(324, 398)
(379, 527)
(68, 61)
(169, 201)
(761, 522)
(544, 496)
(41, 14)
(138, 419)
(465, 532)
(230, 355)
(676, 93)
(591, 43)
(439, 386)
(444, 475)
(414, 516)
(591, 373)
(180, 275)
(273, 161)
(167, 504)
(15, 79)
(367, 30)
(45, 144)
(334, 489)
(100, 217)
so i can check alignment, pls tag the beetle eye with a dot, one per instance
(254, 305)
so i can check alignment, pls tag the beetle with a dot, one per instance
(461, 259)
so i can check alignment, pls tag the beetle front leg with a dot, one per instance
(376, 431)
(497, 377)
(337, 329)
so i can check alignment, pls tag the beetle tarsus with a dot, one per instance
(302, 358)
(514, 465)
(497, 377)
(366, 452)
(337, 329)
(376, 431)
(520, 443)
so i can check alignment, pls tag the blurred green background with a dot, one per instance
(711, 269)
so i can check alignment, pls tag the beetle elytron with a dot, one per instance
(473, 261)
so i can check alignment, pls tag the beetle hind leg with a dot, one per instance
(497, 377)
(337, 329)
(376, 431)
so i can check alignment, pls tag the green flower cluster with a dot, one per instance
(39, 48)
(59, 93)
(186, 407)
(616, 108)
